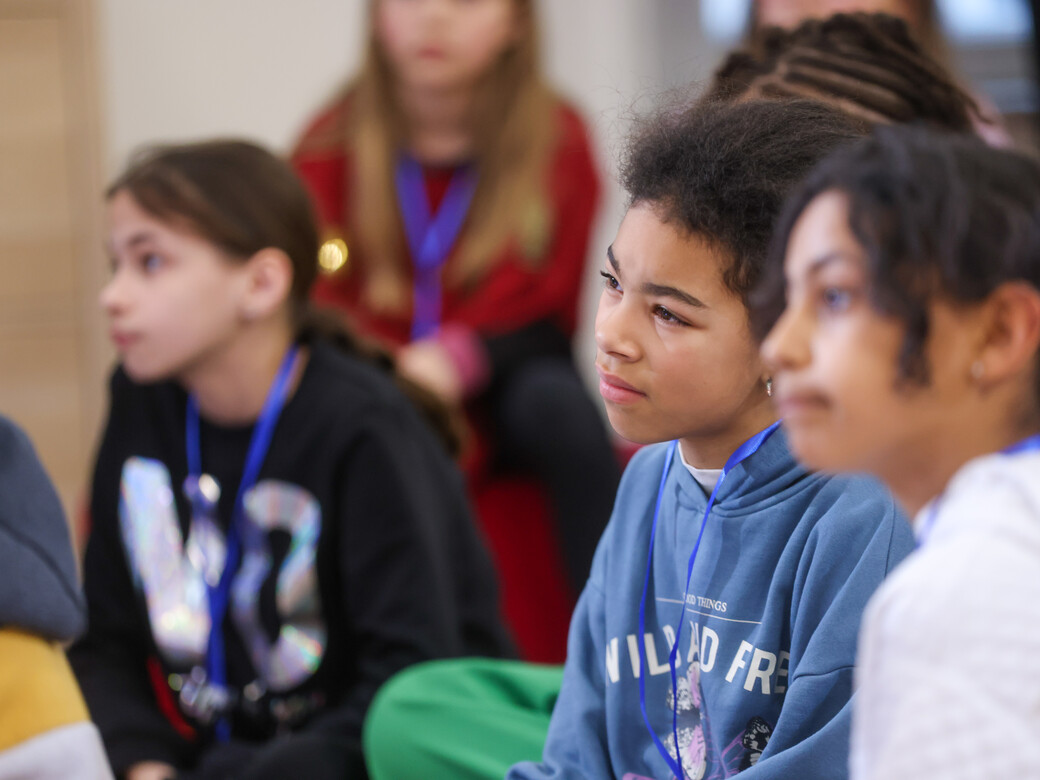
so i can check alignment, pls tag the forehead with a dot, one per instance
(127, 221)
(653, 248)
(124, 214)
(820, 231)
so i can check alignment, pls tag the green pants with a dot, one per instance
(460, 719)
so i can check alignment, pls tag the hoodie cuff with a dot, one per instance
(467, 353)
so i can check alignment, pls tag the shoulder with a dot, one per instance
(962, 598)
(573, 159)
(983, 554)
(570, 125)
(326, 130)
(14, 444)
(27, 498)
(23, 481)
(336, 375)
(995, 498)
(850, 524)
(852, 505)
(346, 393)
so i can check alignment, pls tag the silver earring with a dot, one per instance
(978, 370)
(769, 387)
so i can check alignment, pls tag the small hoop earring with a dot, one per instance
(769, 387)
(978, 370)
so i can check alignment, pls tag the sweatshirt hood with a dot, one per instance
(765, 478)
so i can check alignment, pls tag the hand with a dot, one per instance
(429, 365)
(151, 770)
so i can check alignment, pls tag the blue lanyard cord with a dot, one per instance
(1029, 444)
(744, 451)
(216, 670)
(430, 237)
(669, 457)
(1026, 445)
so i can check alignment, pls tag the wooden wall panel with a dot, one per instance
(51, 364)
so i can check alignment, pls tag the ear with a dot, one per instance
(268, 284)
(1012, 335)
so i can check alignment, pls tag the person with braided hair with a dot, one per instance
(838, 50)
(869, 65)
(919, 15)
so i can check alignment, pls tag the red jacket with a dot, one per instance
(512, 294)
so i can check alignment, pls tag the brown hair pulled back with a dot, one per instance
(242, 199)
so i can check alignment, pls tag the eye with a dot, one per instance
(609, 281)
(151, 262)
(835, 299)
(665, 315)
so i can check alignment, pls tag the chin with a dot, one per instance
(142, 373)
(630, 430)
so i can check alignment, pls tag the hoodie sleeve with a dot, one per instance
(39, 592)
(577, 744)
(842, 565)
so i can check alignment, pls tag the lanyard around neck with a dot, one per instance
(260, 441)
(430, 237)
(1029, 444)
(744, 451)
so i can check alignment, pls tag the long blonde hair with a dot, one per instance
(514, 134)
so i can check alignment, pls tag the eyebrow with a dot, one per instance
(658, 290)
(823, 261)
(137, 239)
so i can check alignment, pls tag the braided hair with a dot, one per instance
(868, 65)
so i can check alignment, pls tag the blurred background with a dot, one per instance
(85, 82)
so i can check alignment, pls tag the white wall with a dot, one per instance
(186, 69)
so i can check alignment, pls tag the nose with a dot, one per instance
(435, 10)
(112, 297)
(788, 344)
(615, 332)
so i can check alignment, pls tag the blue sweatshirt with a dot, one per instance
(764, 667)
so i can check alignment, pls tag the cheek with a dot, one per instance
(491, 34)
(391, 26)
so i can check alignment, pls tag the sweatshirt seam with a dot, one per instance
(592, 584)
(809, 675)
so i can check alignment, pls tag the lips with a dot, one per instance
(797, 404)
(615, 390)
(122, 339)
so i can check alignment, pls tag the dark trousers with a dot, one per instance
(546, 424)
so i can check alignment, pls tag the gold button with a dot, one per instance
(333, 255)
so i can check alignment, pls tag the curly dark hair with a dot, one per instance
(866, 64)
(721, 171)
(937, 214)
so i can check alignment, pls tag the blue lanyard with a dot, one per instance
(745, 450)
(216, 670)
(1029, 444)
(430, 237)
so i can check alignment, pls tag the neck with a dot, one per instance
(712, 450)
(230, 387)
(917, 478)
(440, 123)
